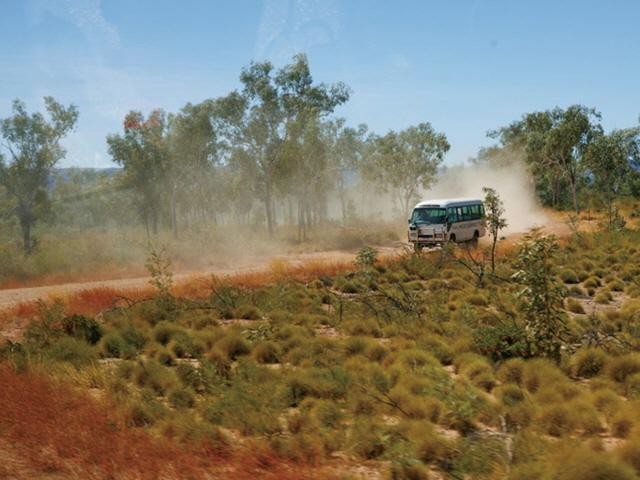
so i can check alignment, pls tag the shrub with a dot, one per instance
(510, 394)
(248, 312)
(619, 368)
(606, 401)
(437, 347)
(266, 352)
(562, 418)
(630, 452)
(574, 306)
(376, 352)
(364, 327)
(502, 341)
(616, 286)
(367, 440)
(624, 421)
(591, 282)
(602, 298)
(632, 385)
(113, 345)
(133, 336)
(69, 349)
(409, 471)
(220, 362)
(540, 372)
(139, 415)
(82, 327)
(576, 291)
(585, 464)
(478, 300)
(511, 371)
(355, 345)
(165, 357)
(569, 276)
(182, 398)
(588, 362)
(233, 345)
(414, 358)
(155, 376)
(556, 419)
(164, 331)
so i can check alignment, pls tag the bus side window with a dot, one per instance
(453, 216)
(475, 210)
(481, 211)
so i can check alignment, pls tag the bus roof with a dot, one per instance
(448, 202)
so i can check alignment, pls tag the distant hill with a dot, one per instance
(83, 175)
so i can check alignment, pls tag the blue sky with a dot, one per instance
(466, 66)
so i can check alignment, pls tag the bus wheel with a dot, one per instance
(474, 240)
(417, 247)
(452, 238)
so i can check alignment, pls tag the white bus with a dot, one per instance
(446, 220)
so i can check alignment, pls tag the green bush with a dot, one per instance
(82, 327)
(113, 345)
(502, 341)
(151, 374)
(71, 350)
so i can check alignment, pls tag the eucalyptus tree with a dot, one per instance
(408, 160)
(495, 220)
(33, 144)
(554, 143)
(346, 148)
(613, 161)
(142, 150)
(270, 113)
(193, 150)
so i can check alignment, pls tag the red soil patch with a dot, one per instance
(56, 430)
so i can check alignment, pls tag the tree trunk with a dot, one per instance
(493, 254)
(574, 195)
(268, 203)
(25, 225)
(343, 200)
(174, 213)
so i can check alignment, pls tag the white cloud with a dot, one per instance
(288, 27)
(86, 15)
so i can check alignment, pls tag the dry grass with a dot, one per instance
(60, 431)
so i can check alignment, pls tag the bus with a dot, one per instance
(434, 222)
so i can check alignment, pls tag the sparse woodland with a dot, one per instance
(517, 361)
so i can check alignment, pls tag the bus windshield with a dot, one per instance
(429, 216)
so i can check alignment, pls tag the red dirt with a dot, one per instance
(49, 430)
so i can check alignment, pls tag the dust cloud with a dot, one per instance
(511, 181)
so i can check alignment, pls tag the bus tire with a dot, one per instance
(417, 247)
(452, 238)
(474, 240)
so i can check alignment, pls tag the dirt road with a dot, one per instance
(14, 296)
(556, 223)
